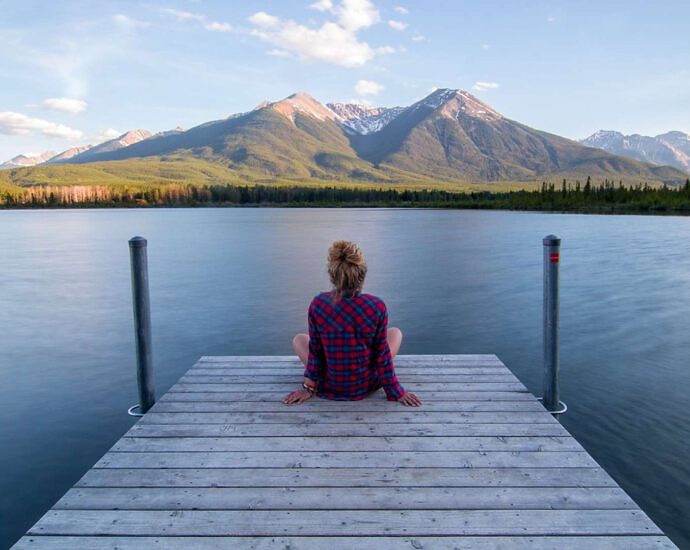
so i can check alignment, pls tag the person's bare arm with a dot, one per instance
(385, 369)
(314, 369)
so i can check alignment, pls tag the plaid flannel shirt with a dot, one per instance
(349, 355)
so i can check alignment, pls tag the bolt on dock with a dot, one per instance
(220, 462)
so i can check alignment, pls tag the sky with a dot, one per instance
(79, 72)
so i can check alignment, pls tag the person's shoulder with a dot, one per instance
(320, 299)
(375, 301)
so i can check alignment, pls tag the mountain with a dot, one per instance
(125, 140)
(670, 149)
(296, 137)
(450, 135)
(27, 160)
(68, 154)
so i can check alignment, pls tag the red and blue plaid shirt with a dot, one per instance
(349, 355)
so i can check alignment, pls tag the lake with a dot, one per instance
(238, 281)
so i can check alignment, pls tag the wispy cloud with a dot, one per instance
(130, 22)
(107, 135)
(401, 10)
(397, 25)
(70, 56)
(219, 27)
(418, 37)
(322, 5)
(484, 86)
(335, 41)
(182, 15)
(17, 124)
(189, 16)
(551, 19)
(64, 104)
(368, 87)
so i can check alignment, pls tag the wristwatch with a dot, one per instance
(308, 388)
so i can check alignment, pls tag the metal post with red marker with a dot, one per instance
(552, 259)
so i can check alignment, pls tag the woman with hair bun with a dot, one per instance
(349, 350)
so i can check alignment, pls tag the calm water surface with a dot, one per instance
(237, 281)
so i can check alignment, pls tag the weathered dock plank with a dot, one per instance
(346, 498)
(347, 477)
(411, 522)
(221, 462)
(515, 542)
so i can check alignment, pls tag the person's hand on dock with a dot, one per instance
(298, 396)
(410, 400)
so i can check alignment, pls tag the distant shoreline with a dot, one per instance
(606, 198)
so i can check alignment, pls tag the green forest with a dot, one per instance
(607, 197)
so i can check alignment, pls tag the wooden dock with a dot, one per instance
(221, 462)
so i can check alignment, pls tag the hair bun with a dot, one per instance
(346, 266)
(345, 252)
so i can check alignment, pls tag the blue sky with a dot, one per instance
(75, 72)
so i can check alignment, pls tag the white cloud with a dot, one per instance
(107, 135)
(18, 124)
(368, 87)
(64, 104)
(401, 10)
(215, 26)
(397, 25)
(219, 27)
(357, 14)
(181, 15)
(551, 19)
(418, 37)
(485, 46)
(129, 22)
(322, 5)
(484, 86)
(264, 20)
(334, 41)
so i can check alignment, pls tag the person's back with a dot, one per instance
(349, 350)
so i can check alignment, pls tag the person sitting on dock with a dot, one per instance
(349, 350)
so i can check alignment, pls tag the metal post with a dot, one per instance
(551, 398)
(142, 323)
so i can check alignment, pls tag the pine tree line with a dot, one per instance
(569, 196)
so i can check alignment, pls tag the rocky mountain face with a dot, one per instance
(669, 149)
(27, 160)
(362, 119)
(448, 135)
(125, 140)
(68, 154)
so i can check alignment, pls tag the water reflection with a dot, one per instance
(238, 282)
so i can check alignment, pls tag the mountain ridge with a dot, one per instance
(670, 148)
(450, 135)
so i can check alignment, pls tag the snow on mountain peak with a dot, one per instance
(671, 148)
(437, 98)
(363, 119)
